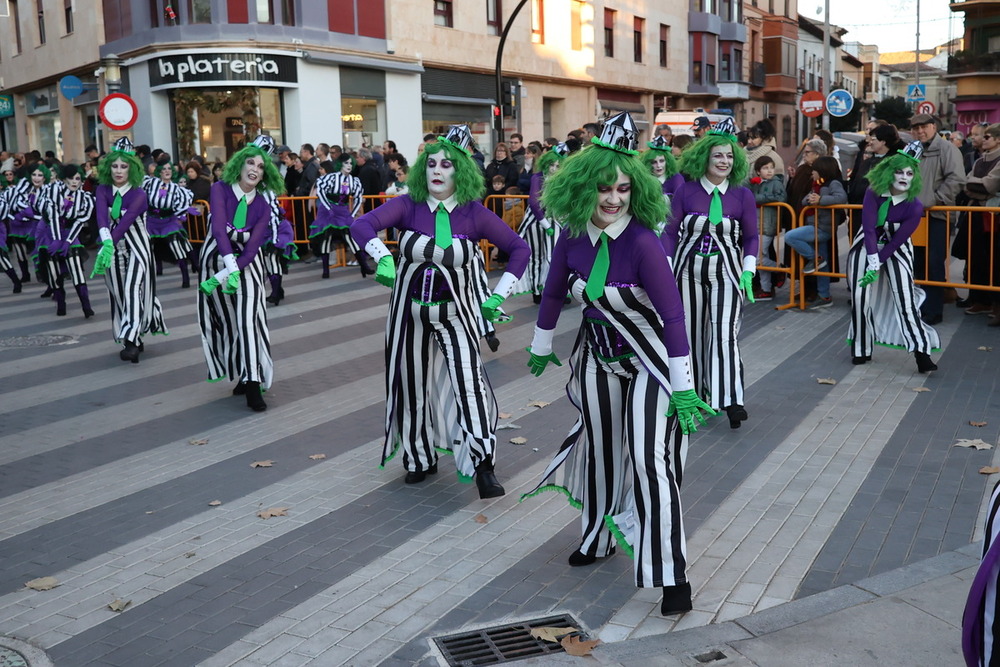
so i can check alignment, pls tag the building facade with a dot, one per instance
(975, 70)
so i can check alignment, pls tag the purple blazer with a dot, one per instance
(223, 203)
(134, 204)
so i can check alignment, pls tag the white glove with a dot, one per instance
(680, 373)
(377, 250)
(873, 263)
(230, 263)
(104, 233)
(541, 343)
(750, 263)
(506, 284)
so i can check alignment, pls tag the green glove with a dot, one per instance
(385, 272)
(537, 364)
(489, 308)
(687, 406)
(232, 283)
(105, 256)
(746, 284)
(209, 285)
(869, 277)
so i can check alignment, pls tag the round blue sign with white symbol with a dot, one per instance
(70, 86)
(839, 102)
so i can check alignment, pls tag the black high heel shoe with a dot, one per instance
(417, 476)
(255, 401)
(924, 362)
(676, 599)
(486, 481)
(130, 352)
(736, 414)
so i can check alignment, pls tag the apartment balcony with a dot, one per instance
(968, 5)
(758, 75)
(734, 90)
(781, 83)
(966, 62)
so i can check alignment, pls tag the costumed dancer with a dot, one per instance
(67, 211)
(660, 160)
(8, 193)
(438, 395)
(712, 238)
(537, 230)
(887, 311)
(982, 606)
(30, 214)
(339, 196)
(630, 379)
(280, 251)
(231, 308)
(23, 220)
(125, 258)
(169, 205)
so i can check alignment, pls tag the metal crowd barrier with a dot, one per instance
(980, 247)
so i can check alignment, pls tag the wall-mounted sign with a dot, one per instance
(118, 111)
(812, 103)
(222, 68)
(234, 122)
(6, 106)
(70, 86)
(839, 103)
(349, 117)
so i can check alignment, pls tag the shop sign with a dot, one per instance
(6, 106)
(234, 122)
(222, 67)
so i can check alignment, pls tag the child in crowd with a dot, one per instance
(513, 207)
(767, 188)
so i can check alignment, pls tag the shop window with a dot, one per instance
(494, 17)
(199, 11)
(638, 27)
(211, 122)
(442, 13)
(537, 21)
(609, 33)
(359, 117)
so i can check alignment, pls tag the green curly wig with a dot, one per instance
(882, 175)
(39, 166)
(570, 194)
(272, 177)
(545, 161)
(135, 168)
(648, 156)
(469, 183)
(694, 159)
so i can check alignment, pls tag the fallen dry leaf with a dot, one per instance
(989, 470)
(984, 348)
(262, 464)
(119, 605)
(215, 503)
(317, 457)
(189, 554)
(579, 647)
(977, 423)
(505, 415)
(42, 584)
(537, 404)
(518, 440)
(480, 518)
(200, 441)
(826, 381)
(551, 634)
(978, 443)
(920, 389)
(273, 511)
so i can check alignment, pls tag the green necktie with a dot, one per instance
(116, 206)
(442, 227)
(715, 208)
(599, 272)
(883, 212)
(240, 217)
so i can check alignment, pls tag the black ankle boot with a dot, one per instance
(240, 389)
(493, 341)
(676, 599)
(25, 274)
(924, 363)
(254, 399)
(487, 482)
(736, 414)
(14, 279)
(84, 294)
(417, 476)
(47, 294)
(60, 296)
(185, 278)
(130, 352)
(859, 361)
(326, 265)
(579, 559)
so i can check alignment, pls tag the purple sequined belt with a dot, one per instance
(707, 246)
(430, 288)
(608, 344)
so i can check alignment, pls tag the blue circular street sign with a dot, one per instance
(839, 102)
(70, 86)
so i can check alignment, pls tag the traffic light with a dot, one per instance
(509, 99)
(495, 109)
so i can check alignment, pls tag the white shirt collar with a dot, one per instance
(896, 199)
(709, 185)
(121, 190)
(614, 230)
(449, 204)
(238, 191)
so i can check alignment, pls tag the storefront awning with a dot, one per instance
(337, 59)
(451, 99)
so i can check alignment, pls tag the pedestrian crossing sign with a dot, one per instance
(916, 92)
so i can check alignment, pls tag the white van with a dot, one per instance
(681, 121)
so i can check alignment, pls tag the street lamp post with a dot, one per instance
(111, 75)
(498, 119)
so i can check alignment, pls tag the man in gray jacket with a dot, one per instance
(943, 175)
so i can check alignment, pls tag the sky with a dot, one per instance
(892, 25)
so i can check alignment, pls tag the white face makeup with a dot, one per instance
(659, 166)
(119, 172)
(251, 173)
(612, 202)
(720, 163)
(37, 178)
(901, 181)
(440, 176)
(346, 167)
(74, 182)
(166, 173)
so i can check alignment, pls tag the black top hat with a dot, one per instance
(459, 136)
(725, 127)
(913, 150)
(659, 144)
(265, 143)
(619, 133)
(124, 145)
(561, 149)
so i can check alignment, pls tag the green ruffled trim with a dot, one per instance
(850, 341)
(604, 144)
(463, 479)
(553, 487)
(611, 360)
(166, 236)
(619, 536)
(392, 454)
(666, 149)
(430, 303)
(210, 380)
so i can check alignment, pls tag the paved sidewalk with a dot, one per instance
(838, 526)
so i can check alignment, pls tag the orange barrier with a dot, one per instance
(982, 242)
(786, 218)
(512, 216)
(197, 224)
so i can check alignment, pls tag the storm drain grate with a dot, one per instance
(502, 643)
